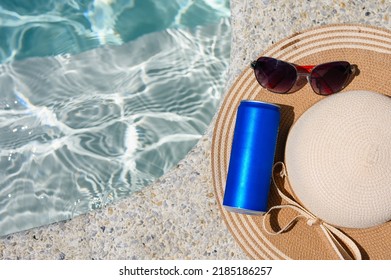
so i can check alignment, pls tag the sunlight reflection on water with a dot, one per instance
(82, 129)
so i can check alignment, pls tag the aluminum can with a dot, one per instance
(252, 157)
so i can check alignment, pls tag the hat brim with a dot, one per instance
(367, 47)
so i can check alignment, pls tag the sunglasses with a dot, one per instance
(280, 77)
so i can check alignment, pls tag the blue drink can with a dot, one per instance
(252, 157)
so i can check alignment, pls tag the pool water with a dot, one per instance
(100, 98)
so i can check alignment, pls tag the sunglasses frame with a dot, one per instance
(306, 71)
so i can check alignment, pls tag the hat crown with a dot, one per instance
(338, 158)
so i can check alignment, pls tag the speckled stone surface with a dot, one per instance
(177, 217)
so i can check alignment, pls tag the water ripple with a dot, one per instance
(80, 131)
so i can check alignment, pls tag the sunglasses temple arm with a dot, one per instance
(304, 68)
(353, 71)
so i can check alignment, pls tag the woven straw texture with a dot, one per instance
(367, 47)
(338, 159)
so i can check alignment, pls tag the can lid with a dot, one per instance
(240, 210)
(261, 104)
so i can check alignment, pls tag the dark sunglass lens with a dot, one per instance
(275, 75)
(330, 77)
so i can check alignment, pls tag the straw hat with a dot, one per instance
(311, 216)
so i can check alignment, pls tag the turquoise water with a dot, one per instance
(100, 98)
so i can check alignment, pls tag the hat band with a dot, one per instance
(331, 232)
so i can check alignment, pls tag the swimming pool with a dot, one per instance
(100, 98)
